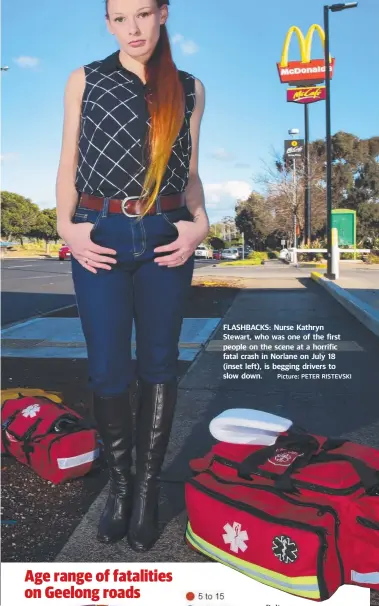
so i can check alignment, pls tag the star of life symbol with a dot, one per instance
(31, 411)
(285, 549)
(284, 457)
(235, 537)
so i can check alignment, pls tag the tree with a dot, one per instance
(355, 176)
(215, 243)
(355, 181)
(19, 216)
(254, 219)
(46, 227)
(284, 191)
(368, 222)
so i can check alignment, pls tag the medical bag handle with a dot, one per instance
(296, 439)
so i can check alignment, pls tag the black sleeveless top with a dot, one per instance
(113, 129)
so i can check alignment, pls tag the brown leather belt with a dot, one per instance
(133, 206)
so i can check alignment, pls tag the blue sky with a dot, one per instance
(232, 47)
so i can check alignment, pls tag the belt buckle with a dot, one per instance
(123, 203)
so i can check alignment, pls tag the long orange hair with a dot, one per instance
(166, 103)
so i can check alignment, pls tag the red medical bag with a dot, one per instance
(48, 436)
(301, 515)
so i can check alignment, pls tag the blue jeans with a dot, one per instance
(135, 288)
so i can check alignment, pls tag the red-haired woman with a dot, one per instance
(130, 205)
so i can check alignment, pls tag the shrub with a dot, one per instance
(255, 254)
(242, 262)
(372, 258)
(349, 255)
(318, 243)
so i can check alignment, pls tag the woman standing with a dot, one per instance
(130, 205)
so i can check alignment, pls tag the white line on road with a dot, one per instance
(18, 266)
(38, 277)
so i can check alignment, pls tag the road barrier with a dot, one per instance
(291, 256)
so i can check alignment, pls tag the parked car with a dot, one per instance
(217, 254)
(229, 253)
(235, 250)
(243, 252)
(64, 253)
(204, 251)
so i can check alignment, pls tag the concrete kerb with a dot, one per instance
(366, 314)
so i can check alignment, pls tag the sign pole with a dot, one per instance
(294, 213)
(329, 273)
(307, 192)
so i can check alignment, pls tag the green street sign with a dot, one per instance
(345, 221)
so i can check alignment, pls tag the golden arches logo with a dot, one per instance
(305, 43)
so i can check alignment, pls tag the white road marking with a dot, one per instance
(18, 266)
(35, 277)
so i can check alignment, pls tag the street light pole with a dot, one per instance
(328, 149)
(333, 8)
(307, 196)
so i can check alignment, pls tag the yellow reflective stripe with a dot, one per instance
(303, 586)
(14, 394)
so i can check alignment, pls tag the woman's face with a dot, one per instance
(136, 25)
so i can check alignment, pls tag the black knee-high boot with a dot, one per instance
(113, 415)
(154, 422)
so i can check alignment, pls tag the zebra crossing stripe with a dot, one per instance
(306, 587)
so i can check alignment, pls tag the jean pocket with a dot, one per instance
(179, 214)
(87, 215)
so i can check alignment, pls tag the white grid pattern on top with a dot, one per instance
(114, 126)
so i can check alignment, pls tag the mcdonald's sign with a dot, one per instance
(306, 71)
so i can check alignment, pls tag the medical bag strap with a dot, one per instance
(4, 427)
(76, 424)
(27, 440)
(333, 443)
(368, 475)
(305, 444)
(24, 439)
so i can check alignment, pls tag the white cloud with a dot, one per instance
(221, 198)
(232, 189)
(188, 47)
(27, 62)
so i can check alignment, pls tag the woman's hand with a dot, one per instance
(87, 253)
(191, 234)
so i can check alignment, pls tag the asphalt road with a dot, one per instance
(31, 287)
